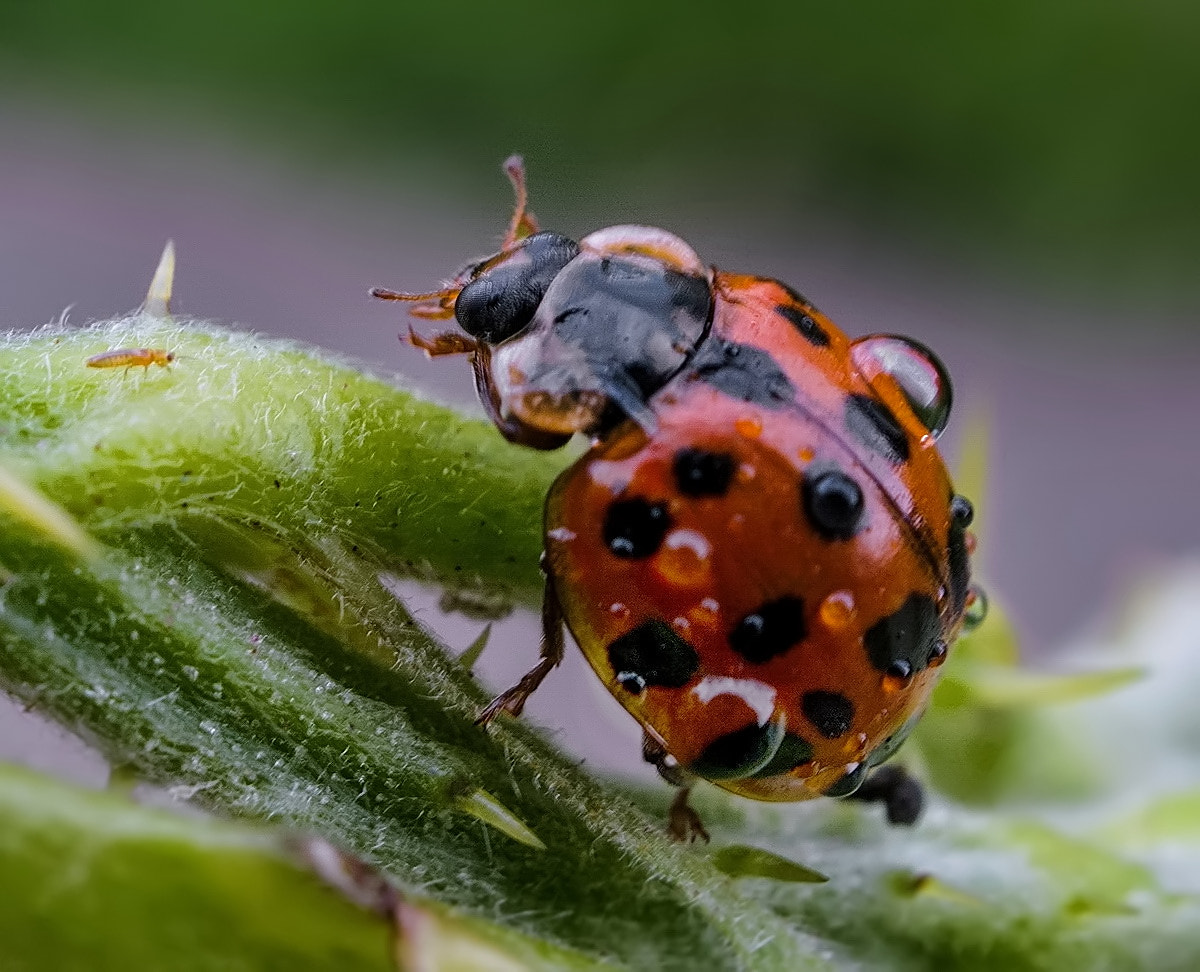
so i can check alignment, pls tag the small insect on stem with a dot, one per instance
(131, 358)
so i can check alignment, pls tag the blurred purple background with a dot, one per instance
(1091, 403)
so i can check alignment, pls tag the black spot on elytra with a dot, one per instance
(770, 630)
(830, 712)
(833, 503)
(634, 528)
(874, 425)
(740, 753)
(904, 638)
(699, 472)
(793, 752)
(848, 783)
(653, 654)
(744, 372)
(805, 323)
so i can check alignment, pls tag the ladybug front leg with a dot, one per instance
(448, 342)
(513, 700)
(683, 822)
(896, 790)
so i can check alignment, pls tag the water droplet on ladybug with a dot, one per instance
(561, 534)
(837, 610)
(749, 426)
(977, 608)
(685, 558)
(899, 674)
(920, 375)
(856, 745)
(631, 682)
(619, 611)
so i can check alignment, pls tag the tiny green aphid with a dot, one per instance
(131, 358)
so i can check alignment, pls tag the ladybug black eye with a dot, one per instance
(501, 301)
(922, 377)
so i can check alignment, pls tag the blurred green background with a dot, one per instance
(1014, 184)
(1060, 136)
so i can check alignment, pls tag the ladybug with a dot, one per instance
(761, 555)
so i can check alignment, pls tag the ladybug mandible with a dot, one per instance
(761, 555)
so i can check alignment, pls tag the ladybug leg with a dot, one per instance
(513, 700)
(683, 823)
(896, 790)
(510, 428)
(449, 342)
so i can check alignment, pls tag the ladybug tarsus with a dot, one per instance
(683, 823)
(448, 342)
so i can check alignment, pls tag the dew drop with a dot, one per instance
(977, 608)
(917, 371)
(898, 677)
(685, 558)
(837, 611)
(749, 426)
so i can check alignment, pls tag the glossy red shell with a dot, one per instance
(818, 710)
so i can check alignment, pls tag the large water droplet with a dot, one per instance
(922, 377)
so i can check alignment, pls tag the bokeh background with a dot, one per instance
(1017, 185)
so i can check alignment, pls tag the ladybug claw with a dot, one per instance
(511, 702)
(683, 822)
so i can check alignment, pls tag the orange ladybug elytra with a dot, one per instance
(761, 555)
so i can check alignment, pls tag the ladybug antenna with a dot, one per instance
(437, 305)
(523, 222)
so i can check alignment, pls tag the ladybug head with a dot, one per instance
(609, 331)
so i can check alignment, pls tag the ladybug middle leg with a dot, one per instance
(900, 794)
(513, 700)
(683, 822)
